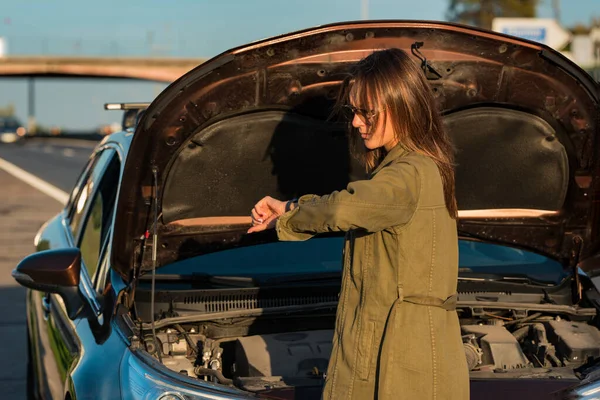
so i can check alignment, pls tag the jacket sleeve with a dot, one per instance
(388, 199)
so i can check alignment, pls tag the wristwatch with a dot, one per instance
(288, 205)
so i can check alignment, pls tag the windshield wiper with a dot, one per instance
(502, 278)
(327, 306)
(308, 277)
(238, 281)
(245, 281)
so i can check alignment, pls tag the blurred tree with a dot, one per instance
(482, 12)
(584, 29)
(580, 29)
(8, 111)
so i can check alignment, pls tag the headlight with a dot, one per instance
(171, 396)
(587, 391)
(139, 381)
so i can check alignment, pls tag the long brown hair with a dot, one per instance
(394, 83)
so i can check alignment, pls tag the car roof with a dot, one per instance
(122, 139)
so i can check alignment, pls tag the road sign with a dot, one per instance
(543, 30)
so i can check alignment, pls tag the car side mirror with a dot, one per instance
(53, 271)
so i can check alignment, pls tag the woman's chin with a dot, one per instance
(370, 145)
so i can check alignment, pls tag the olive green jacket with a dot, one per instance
(397, 335)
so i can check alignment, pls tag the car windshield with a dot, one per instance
(324, 255)
(9, 123)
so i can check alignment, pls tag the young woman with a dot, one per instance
(397, 334)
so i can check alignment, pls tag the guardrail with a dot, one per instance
(82, 135)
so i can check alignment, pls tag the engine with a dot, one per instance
(536, 343)
(296, 355)
(492, 346)
(248, 360)
(281, 355)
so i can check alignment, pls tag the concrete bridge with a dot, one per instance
(152, 69)
(149, 69)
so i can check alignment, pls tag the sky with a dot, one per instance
(180, 28)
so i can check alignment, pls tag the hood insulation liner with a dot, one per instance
(505, 159)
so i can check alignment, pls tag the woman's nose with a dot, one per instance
(357, 122)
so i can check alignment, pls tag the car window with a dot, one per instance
(9, 123)
(81, 180)
(100, 279)
(97, 221)
(87, 189)
(324, 255)
(488, 258)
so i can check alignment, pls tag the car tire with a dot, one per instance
(30, 382)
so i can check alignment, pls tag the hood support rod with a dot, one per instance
(573, 262)
(154, 244)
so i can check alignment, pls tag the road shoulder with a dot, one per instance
(23, 210)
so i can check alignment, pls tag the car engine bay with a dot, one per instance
(292, 349)
(539, 345)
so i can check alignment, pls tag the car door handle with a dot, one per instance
(46, 306)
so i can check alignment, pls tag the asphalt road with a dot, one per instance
(23, 209)
(56, 161)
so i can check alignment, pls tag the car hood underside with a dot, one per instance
(254, 121)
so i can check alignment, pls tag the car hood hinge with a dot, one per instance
(573, 266)
(135, 271)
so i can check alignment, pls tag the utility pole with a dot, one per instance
(364, 9)
(31, 125)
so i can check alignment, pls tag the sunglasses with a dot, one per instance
(365, 115)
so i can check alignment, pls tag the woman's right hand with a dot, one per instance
(265, 214)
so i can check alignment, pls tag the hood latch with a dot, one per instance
(429, 71)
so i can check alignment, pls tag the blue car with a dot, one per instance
(147, 286)
(11, 130)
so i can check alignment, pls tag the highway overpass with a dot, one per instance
(146, 68)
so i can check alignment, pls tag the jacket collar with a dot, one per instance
(395, 153)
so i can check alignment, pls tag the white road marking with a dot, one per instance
(80, 143)
(68, 152)
(48, 149)
(34, 181)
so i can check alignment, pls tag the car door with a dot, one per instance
(83, 223)
(98, 346)
(101, 345)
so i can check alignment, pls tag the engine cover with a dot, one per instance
(500, 348)
(574, 341)
(294, 354)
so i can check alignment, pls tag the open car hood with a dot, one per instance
(253, 121)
